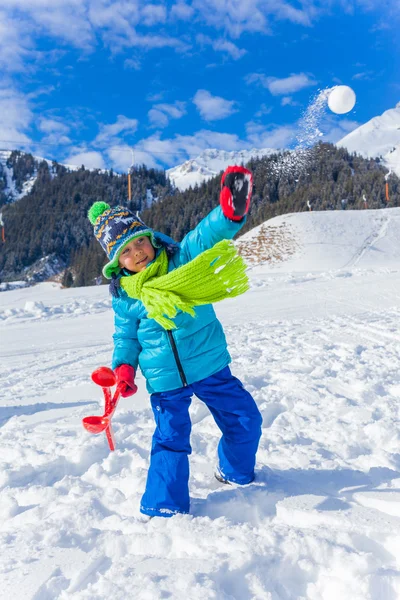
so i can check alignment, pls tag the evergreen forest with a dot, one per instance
(50, 222)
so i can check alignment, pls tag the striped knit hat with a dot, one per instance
(114, 228)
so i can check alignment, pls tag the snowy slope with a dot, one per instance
(378, 137)
(10, 190)
(325, 241)
(209, 163)
(317, 342)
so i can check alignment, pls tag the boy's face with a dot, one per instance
(137, 254)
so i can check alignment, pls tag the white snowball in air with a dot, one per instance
(341, 99)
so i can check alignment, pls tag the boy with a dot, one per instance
(165, 323)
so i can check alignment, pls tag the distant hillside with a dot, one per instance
(18, 173)
(47, 231)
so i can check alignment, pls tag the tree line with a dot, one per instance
(52, 218)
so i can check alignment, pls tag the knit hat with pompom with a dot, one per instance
(114, 228)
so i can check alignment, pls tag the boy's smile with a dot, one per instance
(137, 254)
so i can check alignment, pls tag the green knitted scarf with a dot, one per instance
(214, 275)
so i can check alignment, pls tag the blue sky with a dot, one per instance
(84, 81)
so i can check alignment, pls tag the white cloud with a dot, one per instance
(230, 48)
(275, 136)
(212, 108)
(54, 139)
(155, 151)
(263, 110)
(221, 45)
(158, 118)
(156, 97)
(91, 160)
(236, 17)
(45, 90)
(15, 43)
(52, 126)
(16, 118)
(122, 126)
(288, 101)
(286, 12)
(56, 132)
(182, 11)
(364, 76)
(373, 4)
(65, 19)
(335, 130)
(80, 23)
(153, 13)
(160, 114)
(122, 157)
(288, 85)
(117, 24)
(233, 16)
(132, 63)
(175, 111)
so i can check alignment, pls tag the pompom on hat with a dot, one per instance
(114, 228)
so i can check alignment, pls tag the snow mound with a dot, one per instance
(268, 243)
(323, 241)
(36, 310)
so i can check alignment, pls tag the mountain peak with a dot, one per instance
(379, 137)
(209, 163)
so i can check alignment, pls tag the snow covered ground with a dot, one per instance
(316, 341)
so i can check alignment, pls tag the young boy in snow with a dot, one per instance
(165, 323)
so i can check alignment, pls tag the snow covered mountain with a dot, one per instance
(209, 163)
(8, 187)
(378, 137)
(18, 172)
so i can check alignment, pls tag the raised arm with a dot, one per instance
(224, 221)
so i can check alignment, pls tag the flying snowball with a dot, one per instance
(341, 99)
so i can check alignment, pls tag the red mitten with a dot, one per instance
(126, 380)
(235, 195)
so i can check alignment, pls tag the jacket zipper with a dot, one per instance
(177, 359)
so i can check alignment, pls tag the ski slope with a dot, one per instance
(316, 341)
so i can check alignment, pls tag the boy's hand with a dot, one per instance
(126, 376)
(235, 195)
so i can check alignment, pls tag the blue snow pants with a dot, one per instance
(237, 416)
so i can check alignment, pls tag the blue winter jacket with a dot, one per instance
(197, 347)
